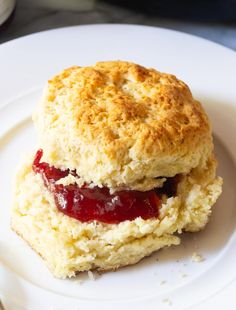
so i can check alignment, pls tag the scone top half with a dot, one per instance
(121, 125)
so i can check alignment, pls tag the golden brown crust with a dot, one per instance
(123, 122)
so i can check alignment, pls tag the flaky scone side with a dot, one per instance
(69, 246)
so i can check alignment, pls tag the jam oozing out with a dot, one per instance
(88, 204)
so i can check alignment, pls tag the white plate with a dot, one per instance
(209, 69)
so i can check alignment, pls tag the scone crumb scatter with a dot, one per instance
(197, 258)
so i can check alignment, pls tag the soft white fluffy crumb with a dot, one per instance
(71, 179)
(196, 257)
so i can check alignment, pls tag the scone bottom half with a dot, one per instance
(125, 164)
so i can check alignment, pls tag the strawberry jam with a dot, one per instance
(87, 204)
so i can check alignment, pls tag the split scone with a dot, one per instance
(124, 165)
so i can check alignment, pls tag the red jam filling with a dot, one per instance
(87, 204)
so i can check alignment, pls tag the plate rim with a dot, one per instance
(95, 25)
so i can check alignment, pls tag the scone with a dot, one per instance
(125, 163)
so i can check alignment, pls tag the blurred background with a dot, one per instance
(211, 19)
